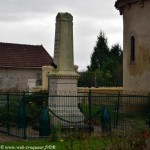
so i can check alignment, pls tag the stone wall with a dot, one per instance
(17, 77)
(111, 90)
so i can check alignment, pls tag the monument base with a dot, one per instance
(66, 118)
(63, 100)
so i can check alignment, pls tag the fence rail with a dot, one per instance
(21, 113)
(92, 79)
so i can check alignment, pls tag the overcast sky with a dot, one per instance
(33, 22)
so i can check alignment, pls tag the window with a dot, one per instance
(132, 58)
(39, 79)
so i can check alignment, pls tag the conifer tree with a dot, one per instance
(100, 53)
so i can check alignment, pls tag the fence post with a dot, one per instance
(22, 115)
(8, 114)
(148, 120)
(90, 112)
(117, 110)
(25, 135)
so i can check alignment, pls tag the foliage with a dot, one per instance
(106, 66)
(113, 67)
(90, 79)
(33, 112)
(135, 138)
(89, 143)
(10, 109)
(39, 97)
(56, 133)
(127, 140)
(96, 113)
(116, 140)
(100, 53)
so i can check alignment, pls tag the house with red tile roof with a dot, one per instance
(20, 63)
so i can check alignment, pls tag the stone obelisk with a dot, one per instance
(63, 53)
(63, 79)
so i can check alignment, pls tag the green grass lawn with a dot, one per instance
(117, 140)
(85, 144)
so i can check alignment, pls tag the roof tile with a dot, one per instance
(21, 55)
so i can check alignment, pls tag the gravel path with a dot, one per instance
(8, 138)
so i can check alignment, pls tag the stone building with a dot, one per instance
(21, 65)
(136, 44)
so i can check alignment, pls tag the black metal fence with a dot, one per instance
(92, 79)
(29, 115)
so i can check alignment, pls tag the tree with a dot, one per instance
(113, 67)
(100, 53)
(106, 66)
(116, 53)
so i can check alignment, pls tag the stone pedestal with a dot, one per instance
(63, 101)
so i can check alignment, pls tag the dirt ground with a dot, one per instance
(8, 138)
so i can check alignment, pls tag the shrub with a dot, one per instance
(39, 97)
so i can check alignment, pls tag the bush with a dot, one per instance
(39, 97)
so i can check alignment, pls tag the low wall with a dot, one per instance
(111, 90)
